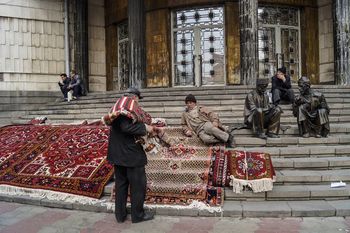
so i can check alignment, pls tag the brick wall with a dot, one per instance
(326, 44)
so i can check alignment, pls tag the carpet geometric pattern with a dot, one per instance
(64, 158)
(179, 173)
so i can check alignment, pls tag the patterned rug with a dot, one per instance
(64, 158)
(188, 170)
(179, 173)
(241, 169)
(251, 169)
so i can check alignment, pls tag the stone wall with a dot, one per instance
(97, 46)
(32, 51)
(326, 44)
(31, 45)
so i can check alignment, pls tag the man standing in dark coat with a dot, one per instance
(311, 110)
(282, 87)
(260, 114)
(128, 156)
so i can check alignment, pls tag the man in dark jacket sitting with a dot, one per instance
(76, 85)
(64, 83)
(282, 87)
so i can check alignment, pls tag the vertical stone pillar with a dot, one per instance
(81, 41)
(248, 18)
(341, 14)
(137, 59)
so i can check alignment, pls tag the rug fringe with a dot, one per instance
(260, 185)
(71, 198)
(194, 205)
(51, 195)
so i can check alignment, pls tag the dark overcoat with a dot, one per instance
(123, 150)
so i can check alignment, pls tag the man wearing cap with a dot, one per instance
(204, 123)
(128, 123)
(281, 87)
(260, 114)
(311, 110)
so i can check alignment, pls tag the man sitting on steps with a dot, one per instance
(204, 123)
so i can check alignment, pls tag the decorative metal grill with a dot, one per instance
(213, 60)
(200, 16)
(123, 56)
(184, 47)
(278, 15)
(199, 46)
(278, 39)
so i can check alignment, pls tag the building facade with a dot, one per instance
(171, 43)
(32, 44)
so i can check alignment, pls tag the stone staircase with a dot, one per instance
(305, 167)
(17, 103)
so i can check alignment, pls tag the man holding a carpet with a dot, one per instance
(128, 123)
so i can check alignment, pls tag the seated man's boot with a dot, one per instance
(261, 135)
(272, 135)
(306, 135)
(230, 141)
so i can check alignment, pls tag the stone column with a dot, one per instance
(341, 14)
(137, 58)
(81, 52)
(248, 18)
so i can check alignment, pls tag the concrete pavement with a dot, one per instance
(21, 218)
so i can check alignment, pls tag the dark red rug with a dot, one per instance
(64, 158)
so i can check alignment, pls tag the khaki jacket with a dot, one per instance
(204, 114)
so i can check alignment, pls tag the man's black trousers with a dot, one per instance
(135, 177)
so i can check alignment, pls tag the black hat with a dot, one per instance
(262, 81)
(190, 98)
(134, 91)
(282, 69)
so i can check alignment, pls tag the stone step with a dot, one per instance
(313, 208)
(288, 141)
(295, 176)
(292, 193)
(304, 151)
(176, 120)
(201, 99)
(209, 102)
(251, 209)
(222, 111)
(311, 163)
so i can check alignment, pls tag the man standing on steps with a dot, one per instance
(204, 123)
(128, 123)
(282, 87)
(260, 114)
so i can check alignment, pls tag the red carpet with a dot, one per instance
(64, 158)
(252, 169)
(241, 168)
